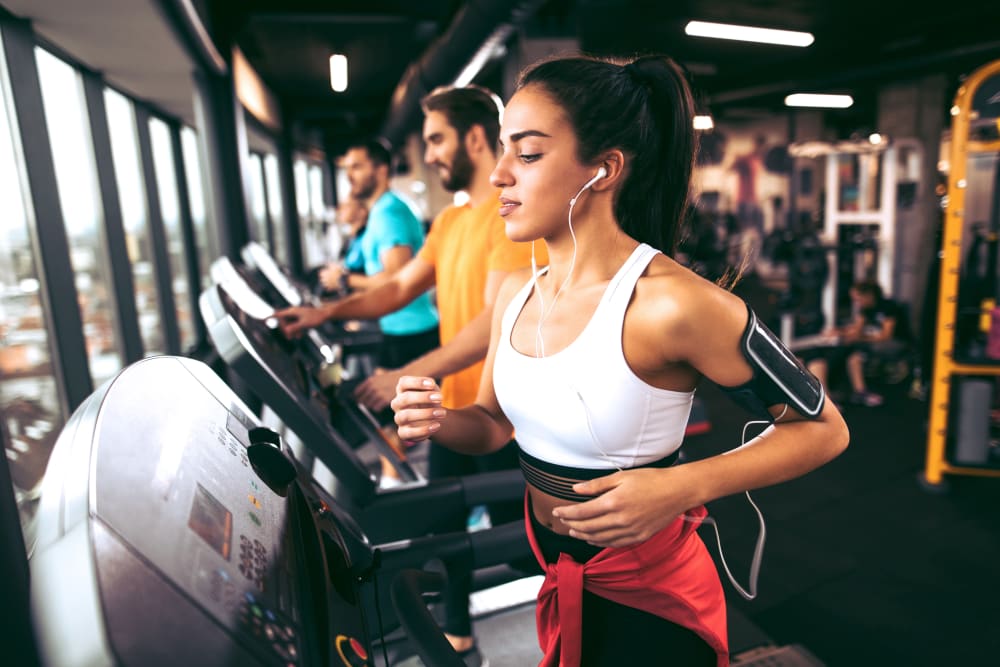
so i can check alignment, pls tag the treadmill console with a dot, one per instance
(266, 277)
(257, 257)
(242, 287)
(159, 543)
(286, 377)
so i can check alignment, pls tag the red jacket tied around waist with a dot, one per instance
(670, 575)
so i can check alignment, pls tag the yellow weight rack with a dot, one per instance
(946, 368)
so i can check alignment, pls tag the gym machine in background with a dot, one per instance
(964, 425)
(872, 186)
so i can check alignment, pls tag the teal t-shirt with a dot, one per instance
(391, 223)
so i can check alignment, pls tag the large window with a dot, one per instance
(312, 235)
(317, 205)
(267, 224)
(76, 178)
(204, 228)
(128, 173)
(311, 206)
(301, 170)
(258, 211)
(29, 396)
(272, 181)
(166, 186)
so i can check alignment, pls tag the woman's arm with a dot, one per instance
(468, 346)
(701, 326)
(480, 428)
(469, 430)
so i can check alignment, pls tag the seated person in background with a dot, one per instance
(353, 215)
(872, 331)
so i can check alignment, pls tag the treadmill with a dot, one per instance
(174, 529)
(358, 340)
(310, 357)
(307, 393)
(284, 378)
(280, 290)
(257, 258)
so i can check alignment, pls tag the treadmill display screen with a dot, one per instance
(211, 521)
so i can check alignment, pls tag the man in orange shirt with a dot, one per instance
(466, 256)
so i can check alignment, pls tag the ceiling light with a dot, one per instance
(703, 123)
(493, 49)
(821, 101)
(744, 33)
(338, 72)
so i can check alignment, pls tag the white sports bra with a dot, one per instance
(583, 407)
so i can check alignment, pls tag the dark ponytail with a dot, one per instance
(644, 108)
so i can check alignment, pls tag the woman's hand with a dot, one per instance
(631, 506)
(418, 407)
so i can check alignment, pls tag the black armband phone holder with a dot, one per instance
(778, 376)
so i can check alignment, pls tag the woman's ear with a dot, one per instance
(613, 163)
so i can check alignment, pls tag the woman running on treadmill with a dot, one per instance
(594, 361)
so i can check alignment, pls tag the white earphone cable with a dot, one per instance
(542, 313)
(758, 551)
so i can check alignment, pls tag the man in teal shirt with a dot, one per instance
(391, 237)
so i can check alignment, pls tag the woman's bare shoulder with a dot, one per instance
(676, 294)
(685, 316)
(512, 284)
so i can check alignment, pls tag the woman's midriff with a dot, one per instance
(542, 505)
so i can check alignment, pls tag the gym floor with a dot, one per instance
(862, 566)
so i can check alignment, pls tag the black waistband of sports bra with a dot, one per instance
(558, 481)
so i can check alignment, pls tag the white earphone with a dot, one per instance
(601, 173)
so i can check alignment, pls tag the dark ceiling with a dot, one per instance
(859, 46)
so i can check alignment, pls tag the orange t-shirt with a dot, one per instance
(464, 244)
